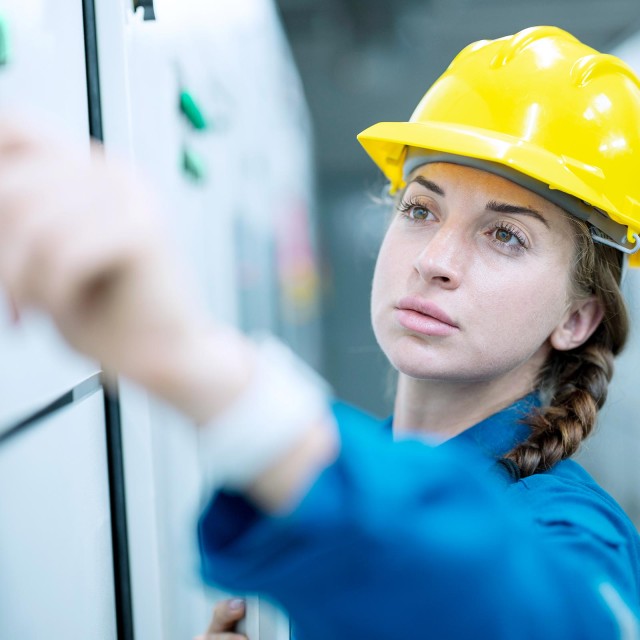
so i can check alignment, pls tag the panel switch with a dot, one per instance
(192, 111)
(193, 165)
(4, 42)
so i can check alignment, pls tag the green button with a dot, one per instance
(192, 111)
(193, 165)
(5, 53)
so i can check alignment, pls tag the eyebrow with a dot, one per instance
(505, 207)
(428, 184)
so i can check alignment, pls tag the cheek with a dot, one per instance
(508, 327)
(393, 268)
(381, 273)
(525, 309)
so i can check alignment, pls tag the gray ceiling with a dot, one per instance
(364, 61)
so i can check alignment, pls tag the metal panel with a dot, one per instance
(56, 575)
(45, 76)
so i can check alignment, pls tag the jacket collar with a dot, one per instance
(496, 435)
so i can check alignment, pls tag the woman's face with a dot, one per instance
(472, 276)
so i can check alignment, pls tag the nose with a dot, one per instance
(442, 257)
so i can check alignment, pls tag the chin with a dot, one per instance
(415, 359)
(419, 371)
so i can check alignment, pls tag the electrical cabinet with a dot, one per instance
(203, 102)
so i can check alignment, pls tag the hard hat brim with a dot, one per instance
(387, 142)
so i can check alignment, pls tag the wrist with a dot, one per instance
(275, 432)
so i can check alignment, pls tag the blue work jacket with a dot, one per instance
(406, 540)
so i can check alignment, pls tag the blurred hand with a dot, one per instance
(226, 614)
(81, 241)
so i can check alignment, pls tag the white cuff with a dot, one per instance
(284, 399)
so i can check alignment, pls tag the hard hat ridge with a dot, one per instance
(512, 46)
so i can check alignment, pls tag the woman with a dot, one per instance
(495, 296)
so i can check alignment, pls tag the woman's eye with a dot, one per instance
(415, 209)
(506, 236)
(416, 212)
(419, 213)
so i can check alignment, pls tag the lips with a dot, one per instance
(422, 316)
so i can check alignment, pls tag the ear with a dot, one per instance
(577, 325)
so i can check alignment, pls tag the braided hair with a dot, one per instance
(573, 384)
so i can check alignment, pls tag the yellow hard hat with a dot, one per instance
(541, 109)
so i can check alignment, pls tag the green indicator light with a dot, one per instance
(5, 53)
(193, 165)
(192, 111)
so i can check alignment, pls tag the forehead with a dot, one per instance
(460, 181)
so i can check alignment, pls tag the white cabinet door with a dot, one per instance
(45, 78)
(232, 59)
(56, 569)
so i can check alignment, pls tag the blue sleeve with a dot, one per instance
(578, 518)
(400, 540)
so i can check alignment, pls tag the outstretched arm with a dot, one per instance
(82, 242)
